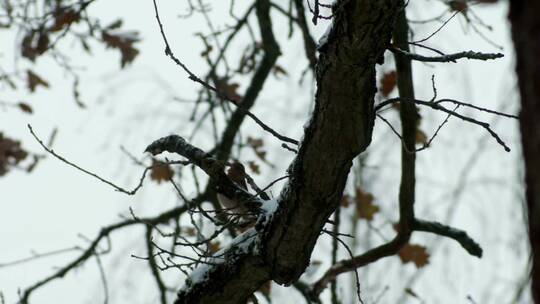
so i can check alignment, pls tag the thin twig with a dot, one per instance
(103, 278)
(36, 256)
(118, 188)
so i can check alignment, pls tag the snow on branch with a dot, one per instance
(211, 166)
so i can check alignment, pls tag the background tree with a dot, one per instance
(526, 35)
(340, 127)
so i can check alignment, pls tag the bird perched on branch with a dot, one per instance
(237, 174)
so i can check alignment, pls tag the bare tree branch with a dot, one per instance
(118, 188)
(459, 235)
(448, 57)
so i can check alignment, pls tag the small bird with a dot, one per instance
(237, 174)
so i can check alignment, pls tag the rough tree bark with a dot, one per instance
(340, 128)
(526, 36)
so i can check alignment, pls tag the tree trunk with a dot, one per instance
(340, 128)
(526, 36)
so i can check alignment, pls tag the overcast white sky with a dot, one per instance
(47, 209)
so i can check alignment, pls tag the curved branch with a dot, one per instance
(459, 236)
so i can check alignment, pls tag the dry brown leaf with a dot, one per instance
(421, 137)
(229, 90)
(345, 200)
(190, 231)
(25, 107)
(388, 83)
(254, 167)
(458, 5)
(261, 154)
(365, 208)
(416, 254)
(34, 43)
(214, 246)
(11, 153)
(124, 43)
(33, 81)
(257, 144)
(161, 171)
(63, 18)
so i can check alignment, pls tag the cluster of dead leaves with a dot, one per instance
(56, 24)
(257, 144)
(388, 83)
(36, 41)
(364, 203)
(11, 153)
(416, 254)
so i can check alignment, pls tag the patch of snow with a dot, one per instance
(324, 38)
(269, 207)
(241, 244)
(198, 274)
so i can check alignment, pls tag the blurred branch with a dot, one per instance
(153, 266)
(271, 53)
(309, 43)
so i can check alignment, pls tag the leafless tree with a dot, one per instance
(271, 239)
